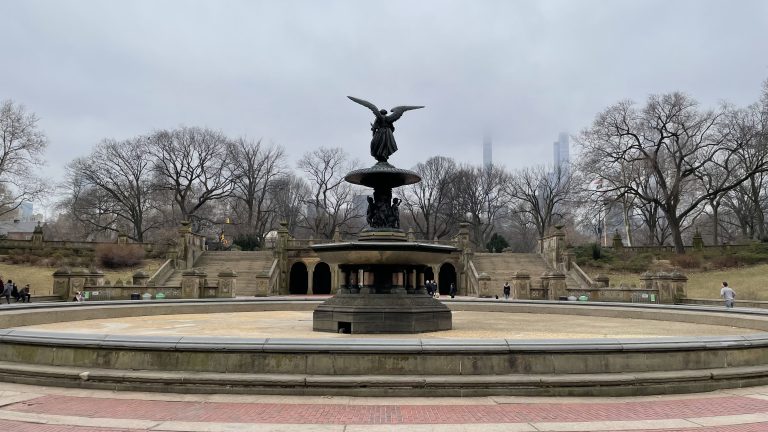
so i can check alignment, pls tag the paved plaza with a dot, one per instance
(466, 324)
(49, 409)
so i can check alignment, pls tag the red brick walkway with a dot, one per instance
(59, 410)
(389, 414)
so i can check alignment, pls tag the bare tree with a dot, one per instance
(330, 203)
(428, 201)
(289, 196)
(23, 145)
(255, 168)
(116, 178)
(542, 194)
(671, 140)
(194, 164)
(478, 198)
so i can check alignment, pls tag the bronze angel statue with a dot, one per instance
(383, 141)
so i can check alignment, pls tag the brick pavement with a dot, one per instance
(61, 410)
(388, 414)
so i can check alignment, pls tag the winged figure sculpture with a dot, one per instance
(383, 141)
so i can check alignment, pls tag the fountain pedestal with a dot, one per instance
(381, 286)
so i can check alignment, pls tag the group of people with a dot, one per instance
(10, 289)
(434, 291)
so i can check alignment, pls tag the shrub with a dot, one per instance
(247, 242)
(687, 261)
(725, 261)
(497, 243)
(119, 255)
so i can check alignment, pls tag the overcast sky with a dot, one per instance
(280, 70)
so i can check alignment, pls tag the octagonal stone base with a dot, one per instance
(381, 313)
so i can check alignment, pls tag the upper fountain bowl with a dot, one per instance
(382, 175)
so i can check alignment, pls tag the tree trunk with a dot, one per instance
(677, 235)
(715, 223)
(627, 227)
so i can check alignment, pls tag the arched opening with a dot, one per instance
(447, 277)
(321, 279)
(298, 280)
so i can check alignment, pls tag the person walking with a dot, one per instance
(507, 290)
(728, 294)
(452, 292)
(7, 288)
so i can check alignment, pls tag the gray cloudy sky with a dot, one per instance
(281, 70)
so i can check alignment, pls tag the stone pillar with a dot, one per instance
(368, 281)
(521, 286)
(398, 282)
(281, 255)
(679, 284)
(545, 286)
(77, 279)
(61, 283)
(557, 286)
(617, 243)
(463, 236)
(228, 284)
(185, 255)
(485, 289)
(310, 279)
(37, 236)
(342, 281)
(140, 278)
(122, 238)
(663, 282)
(190, 284)
(646, 280)
(568, 258)
(698, 241)
(420, 288)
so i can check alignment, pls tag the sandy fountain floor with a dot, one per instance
(293, 324)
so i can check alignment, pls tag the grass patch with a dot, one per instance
(750, 283)
(40, 277)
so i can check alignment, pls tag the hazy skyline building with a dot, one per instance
(487, 150)
(562, 149)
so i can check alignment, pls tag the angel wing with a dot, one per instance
(366, 104)
(398, 111)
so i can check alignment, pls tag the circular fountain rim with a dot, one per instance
(349, 366)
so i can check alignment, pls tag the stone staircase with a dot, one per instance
(501, 266)
(250, 267)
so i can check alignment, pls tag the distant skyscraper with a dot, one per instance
(562, 149)
(487, 151)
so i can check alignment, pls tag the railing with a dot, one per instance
(670, 249)
(274, 278)
(473, 285)
(163, 273)
(618, 294)
(61, 244)
(124, 292)
(581, 277)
